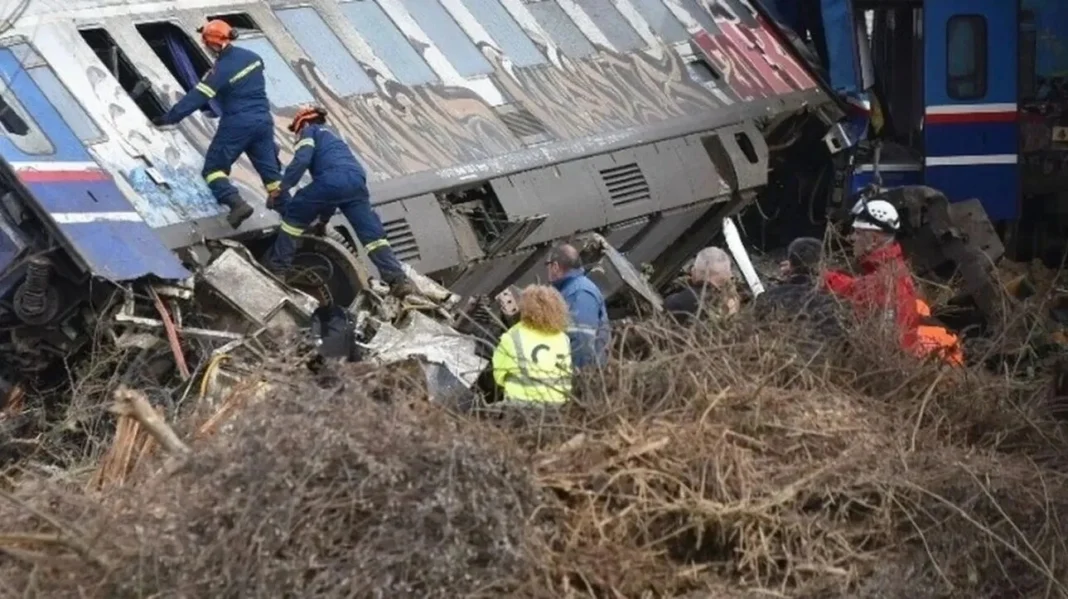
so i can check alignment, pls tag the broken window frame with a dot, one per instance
(238, 21)
(121, 59)
(199, 60)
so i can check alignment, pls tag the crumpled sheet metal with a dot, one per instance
(434, 342)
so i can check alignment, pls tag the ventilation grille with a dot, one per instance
(626, 184)
(402, 240)
(523, 124)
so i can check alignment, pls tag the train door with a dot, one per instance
(971, 131)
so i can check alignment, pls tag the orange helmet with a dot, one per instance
(307, 114)
(217, 33)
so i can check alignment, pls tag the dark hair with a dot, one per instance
(804, 254)
(565, 255)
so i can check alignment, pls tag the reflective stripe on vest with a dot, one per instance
(552, 384)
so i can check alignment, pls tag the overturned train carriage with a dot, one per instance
(490, 128)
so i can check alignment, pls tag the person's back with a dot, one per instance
(701, 301)
(332, 156)
(532, 365)
(801, 298)
(532, 362)
(243, 96)
(884, 291)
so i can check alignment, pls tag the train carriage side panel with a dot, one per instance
(70, 191)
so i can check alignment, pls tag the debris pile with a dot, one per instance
(726, 466)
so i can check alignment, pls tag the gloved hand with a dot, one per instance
(272, 199)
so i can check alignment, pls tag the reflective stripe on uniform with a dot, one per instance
(291, 230)
(583, 330)
(274, 186)
(307, 142)
(204, 89)
(547, 389)
(215, 176)
(245, 71)
(377, 245)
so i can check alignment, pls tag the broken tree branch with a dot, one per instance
(134, 404)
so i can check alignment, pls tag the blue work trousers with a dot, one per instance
(319, 200)
(254, 139)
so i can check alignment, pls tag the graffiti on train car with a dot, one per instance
(752, 63)
(615, 91)
(401, 130)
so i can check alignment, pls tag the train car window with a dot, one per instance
(387, 42)
(284, 88)
(182, 57)
(238, 20)
(612, 24)
(563, 31)
(1028, 63)
(966, 54)
(699, 14)
(57, 94)
(448, 37)
(66, 105)
(342, 71)
(177, 51)
(662, 21)
(19, 127)
(507, 34)
(115, 60)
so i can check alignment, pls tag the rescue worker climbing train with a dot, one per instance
(339, 182)
(237, 82)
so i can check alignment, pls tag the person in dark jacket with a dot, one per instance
(589, 332)
(245, 126)
(801, 297)
(710, 291)
(339, 182)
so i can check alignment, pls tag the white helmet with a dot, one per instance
(875, 215)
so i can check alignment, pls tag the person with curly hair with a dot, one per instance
(532, 363)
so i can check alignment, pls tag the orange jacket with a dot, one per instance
(883, 290)
(934, 339)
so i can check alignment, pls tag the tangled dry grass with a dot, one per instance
(729, 462)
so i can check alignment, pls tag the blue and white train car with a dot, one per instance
(490, 128)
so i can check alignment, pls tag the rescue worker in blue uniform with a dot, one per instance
(245, 125)
(339, 182)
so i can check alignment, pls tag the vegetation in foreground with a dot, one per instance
(730, 462)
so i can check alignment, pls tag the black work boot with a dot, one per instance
(401, 287)
(240, 211)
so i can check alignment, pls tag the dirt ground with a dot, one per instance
(730, 461)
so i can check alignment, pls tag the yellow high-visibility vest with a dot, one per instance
(534, 366)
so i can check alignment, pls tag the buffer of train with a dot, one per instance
(489, 128)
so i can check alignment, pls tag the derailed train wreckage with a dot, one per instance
(490, 129)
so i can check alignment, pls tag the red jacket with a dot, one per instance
(884, 290)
